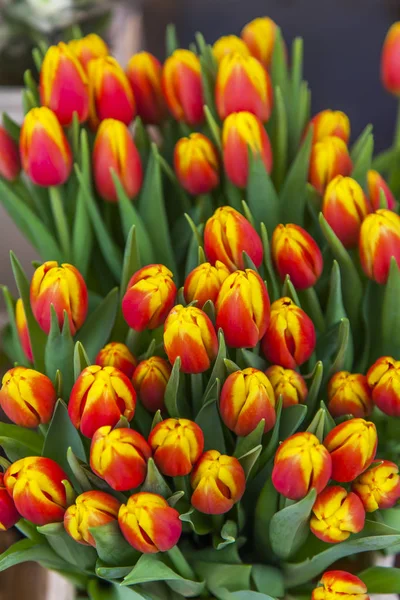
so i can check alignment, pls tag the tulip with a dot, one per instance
(190, 334)
(336, 514)
(35, 484)
(287, 383)
(290, 338)
(229, 44)
(243, 84)
(149, 524)
(349, 394)
(352, 446)
(227, 235)
(329, 158)
(177, 445)
(383, 378)
(204, 283)
(27, 397)
(87, 48)
(345, 206)
(111, 95)
(340, 585)
(8, 513)
(182, 87)
(379, 486)
(150, 380)
(330, 123)
(64, 87)
(114, 149)
(10, 164)
(100, 396)
(62, 287)
(296, 253)
(247, 397)
(379, 241)
(120, 457)
(91, 509)
(243, 309)
(45, 153)
(144, 72)
(241, 132)
(149, 297)
(218, 482)
(22, 328)
(376, 186)
(259, 36)
(196, 164)
(390, 62)
(119, 356)
(301, 463)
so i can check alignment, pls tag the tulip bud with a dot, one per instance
(296, 253)
(190, 334)
(150, 380)
(91, 509)
(243, 84)
(229, 44)
(349, 394)
(182, 87)
(379, 486)
(345, 206)
(260, 35)
(218, 482)
(45, 153)
(290, 338)
(287, 383)
(27, 397)
(119, 356)
(227, 235)
(22, 328)
(390, 63)
(177, 445)
(329, 158)
(330, 123)
(376, 185)
(100, 396)
(64, 87)
(8, 513)
(144, 72)
(196, 164)
(111, 96)
(204, 283)
(243, 309)
(336, 514)
(301, 463)
(149, 524)
(36, 485)
(87, 48)
(340, 585)
(379, 241)
(62, 287)
(120, 457)
(383, 379)
(241, 132)
(352, 446)
(10, 164)
(149, 297)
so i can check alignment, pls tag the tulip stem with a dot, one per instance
(181, 564)
(60, 221)
(182, 484)
(310, 303)
(28, 530)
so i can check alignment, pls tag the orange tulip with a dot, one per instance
(22, 328)
(379, 486)
(91, 509)
(119, 356)
(330, 122)
(340, 585)
(379, 241)
(259, 36)
(390, 61)
(287, 383)
(182, 87)
(144, 72)
(150, 380)
(336, 514)
(349, 394)
(376, 185)
(196, 164)
(87, 48)
(204, 283)
(177, 445)
(383, 378)
(229, 44)
(329, 158)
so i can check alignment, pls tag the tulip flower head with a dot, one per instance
(259, 36)
(336, 514)
(87, 48)
(379, 241)
(204, 283)
(379, 486)
(340, 585)
(196, 164)
(177, 445)
(116, 354)
(91, 509)
(390, 60)
(10, 163)
(8, 513)
(150, 380)
(182, 87)
(287, 383)
(377, 186)
(22, 328)
(329, 158)
(383, 378)
(229, 44)
(144, 72)
(349, 394)
(330, 123)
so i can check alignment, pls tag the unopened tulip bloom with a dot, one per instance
(379, 486)
(27, 397)
(376, 187)
(87, 48)
(116, 354)
(352, 446)
(100, 396)
(35, 483)
(218, 482)
(243, 309)
(150, 380)
(330, 122)
(144, 72)
(22, 328)
(243, 84)
(340, 585)
(45, 153)
(149, 297)
(301, 463)
(204, 283)
(182, 87)
(196, 164)
(290, 338)
(227, 235)
(287, 383)
(390, 60)
(296, 253)
(190, 334)
(91, 509)
(349, 393)
(229, 44)
(8, 513)
(10, 163)
(149, 524)
(62, 287)
(259, 36)
(241, 132)
(345, 206)
(177, 444)
(329, 158)
(336, 514)
(379, 241)
(383, 378)
(120, 457)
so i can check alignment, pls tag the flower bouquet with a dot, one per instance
(206, 372)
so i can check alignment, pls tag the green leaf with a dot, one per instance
(199, 522)
(64, 546)
(339, 362)
(261, 195)
(98, 591)
(19, 442)
(106, 572)
(289, 290)
(174, 397)
(79, 472)
(10, 306)
(227, 535)
(59, 352)
(335, 310)
(98, 326)
(279, 69)
(224, 594)
(272, 282)
(289, 528)
(272, 445)
(279, 140)
(317, 425)
(266, 508)
(314, 388)
(360, 143)
(218, 371)
(249, 460)
(294, 192)
(209, 420)
(155, 482)
(248, 358)
(12, 127)
(268, 579)
(213, 127)
(248, 443)
(389, 343)
(82, 235)
(363, 161)
(27, 550)
(112, 547)
(381, 580)
(81, 360)
(218, 575)
(292, 418)
(171, 41)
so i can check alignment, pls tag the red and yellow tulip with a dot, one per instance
(116, 354)
(379, 241)
(383, 378)
(329, 158)
(22, 328)
(150, 380)
(390, 61)
(144, 72)
(259, 36)
(182, 87)
(340, 585)
(204, 283)
(229, 44)
(376, 187)
(330, 123)
(10, 163)
(196, 164)
(379, 486)
(91, 509)
(8, 513)
(349, 393)
(87, 48)
(287, 383)
(336, 514)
